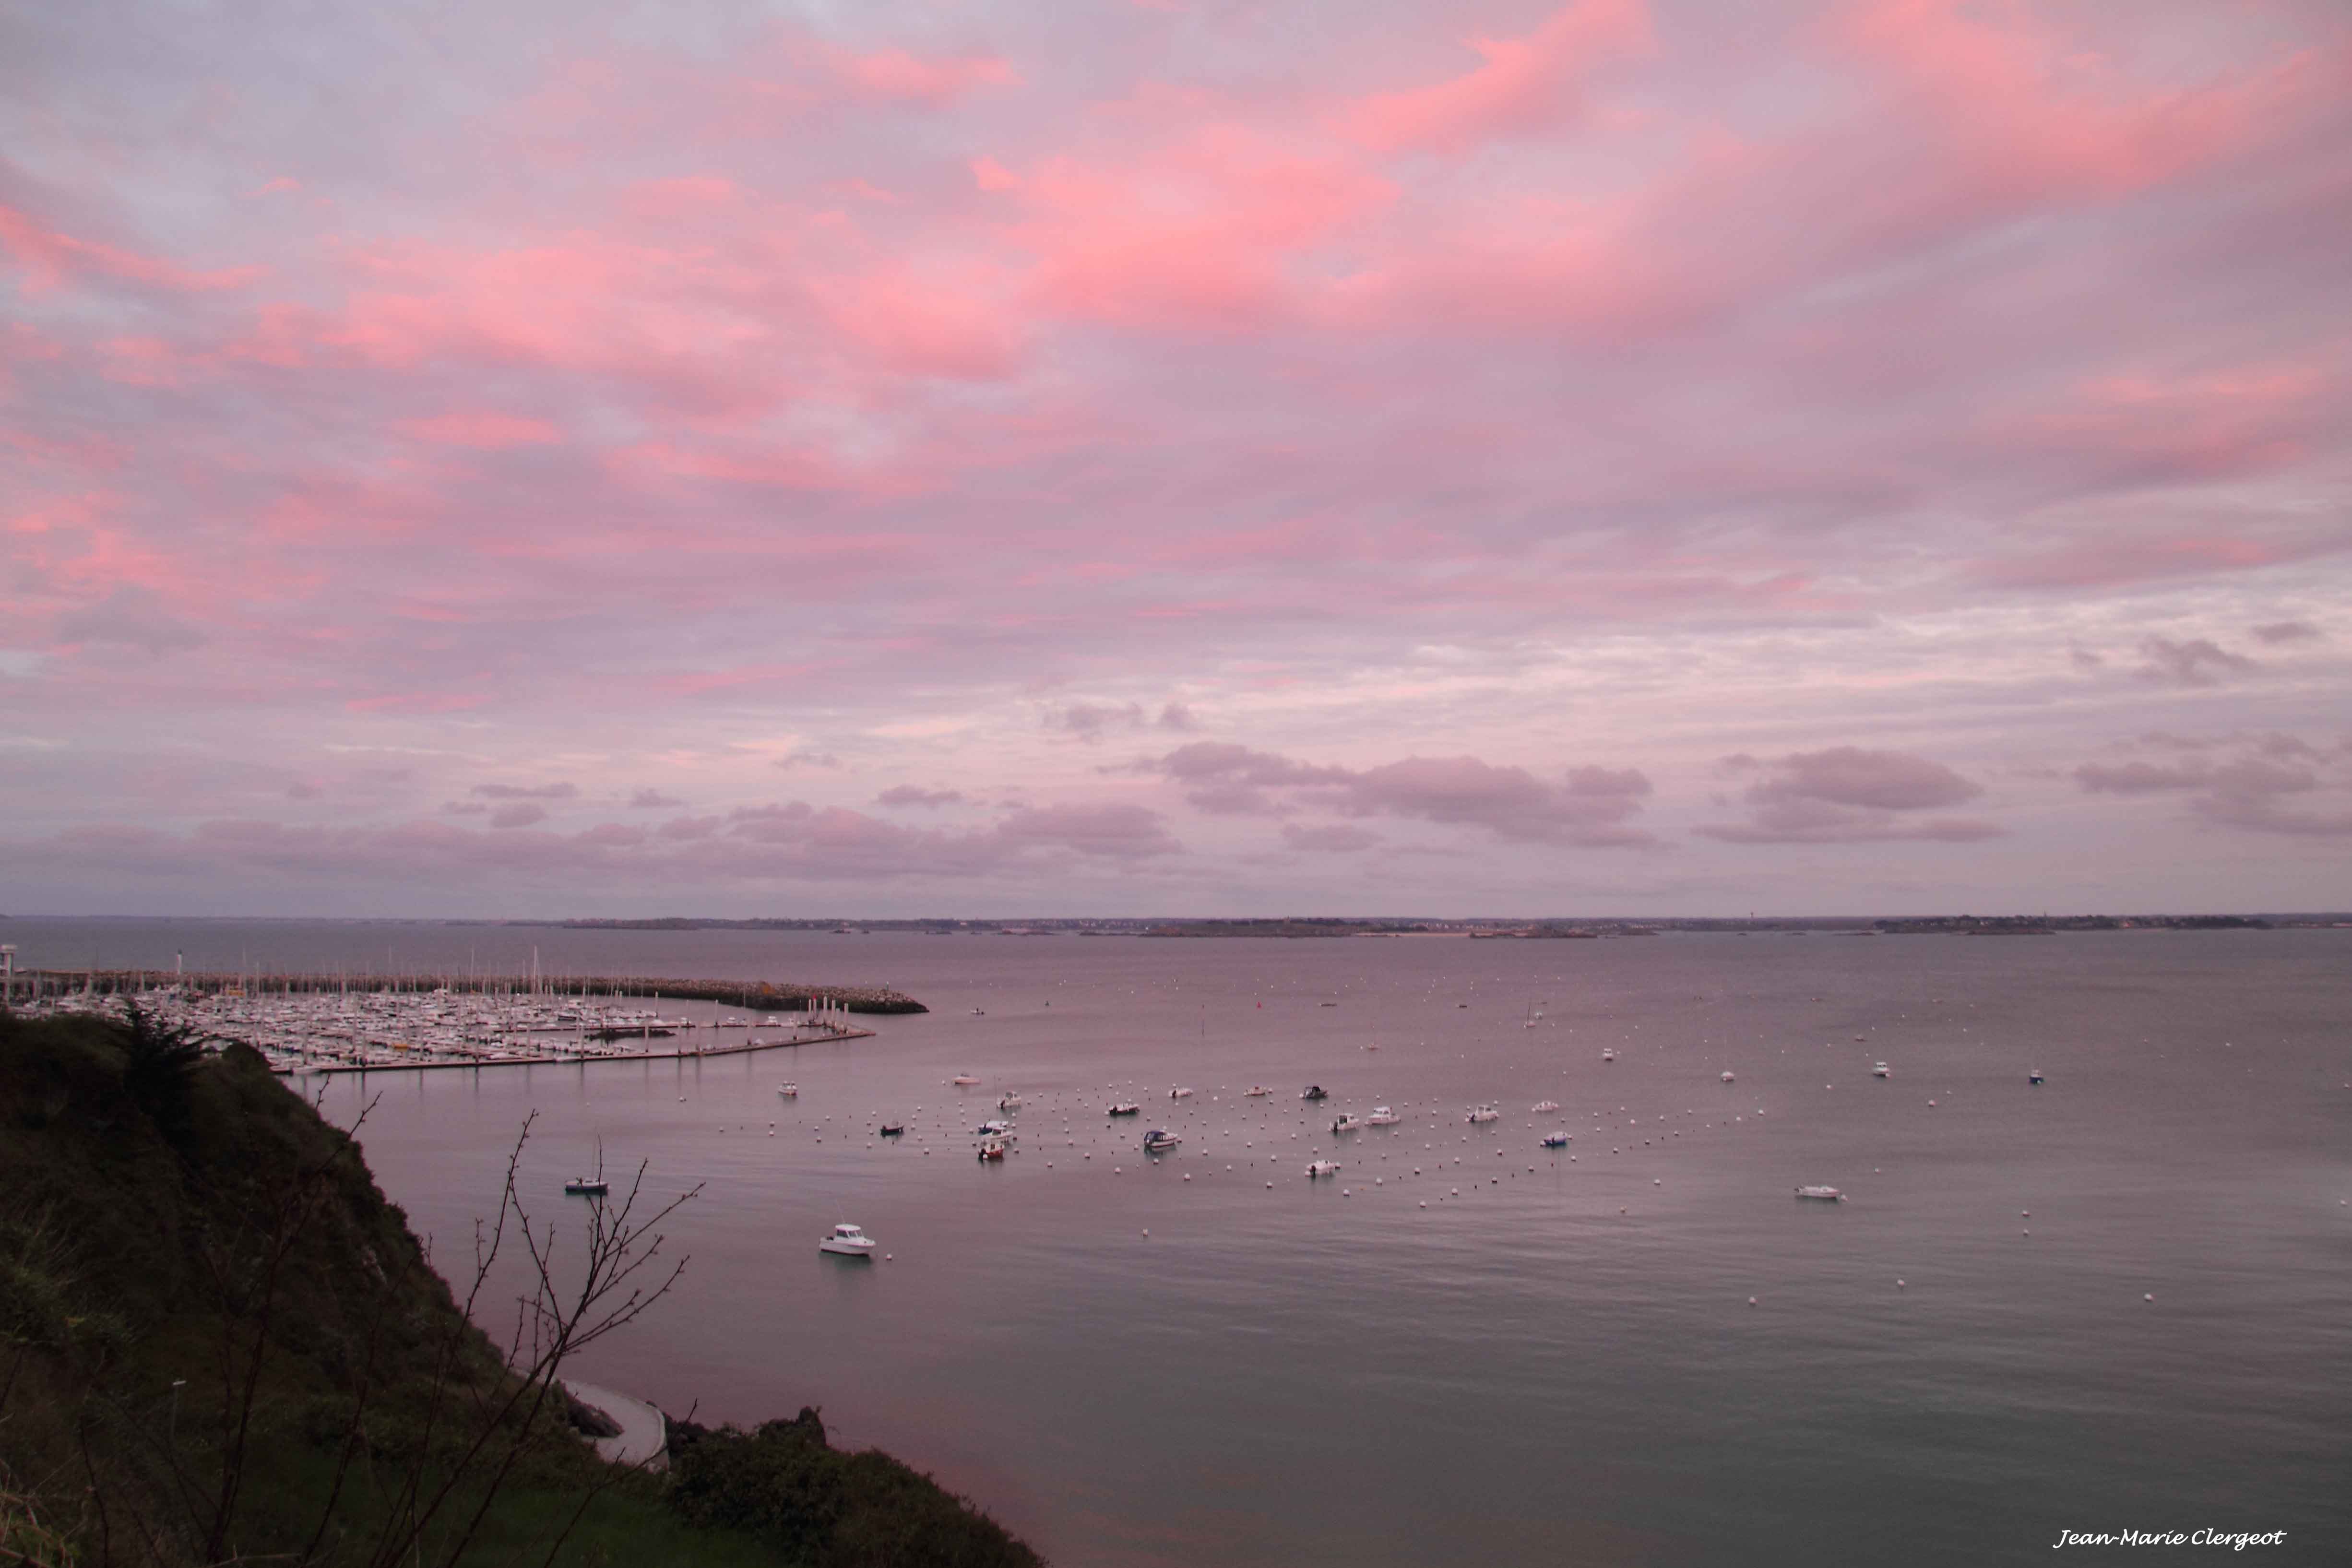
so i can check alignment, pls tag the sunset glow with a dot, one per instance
(1152, 457)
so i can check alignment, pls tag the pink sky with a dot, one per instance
(1664, 458)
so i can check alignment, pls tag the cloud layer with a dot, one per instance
(1438, 436)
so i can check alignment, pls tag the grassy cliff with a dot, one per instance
(219, 1342)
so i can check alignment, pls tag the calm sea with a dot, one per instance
(1465, 1348)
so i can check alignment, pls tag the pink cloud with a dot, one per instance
(483, 429)
(1525, 85)
(48, 259)
(897, 74)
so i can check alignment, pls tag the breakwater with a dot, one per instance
(757, 995)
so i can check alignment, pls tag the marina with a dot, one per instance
(306, 1025)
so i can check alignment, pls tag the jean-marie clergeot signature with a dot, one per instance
(2237, 1541)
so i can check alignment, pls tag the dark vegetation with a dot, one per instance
(219, 1344)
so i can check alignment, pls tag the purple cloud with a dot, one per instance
(2197, 662)
(1849, 796)
(908, 794)
(526, 792)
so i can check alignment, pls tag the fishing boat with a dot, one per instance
(1180, 1094)
(1878, 1069)
(992, 1149)
(587, 1186)
(1159, 1141)
(1383, 1116)
(1827, 1195)
(1314, 1091)
(1126, 1108)
(993, 1129)
(848, 1241)
(2034, 1077)
(789, 1090)
(1555, 1141)
(1349, 1124)
(1322, 1168)
(1486, 1113)
(1009, 1102)
(892, 1129)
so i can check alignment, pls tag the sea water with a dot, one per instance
(1464, 1348)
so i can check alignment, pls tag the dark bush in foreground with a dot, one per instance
(829, 1509)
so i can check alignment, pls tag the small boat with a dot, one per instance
(1256, 1091)
(1486, 1113)
(1322, 1168)
(1544, 1106)
(993, 1129)
(587, 1186)
(1349, 1124)
(1827, 1195)
(963, 1079)
(1009, 1102)
(1878, 1069)
(1180, 1094)
(2034, 1077)
(848, 1241)
(1609, 1056)
(1126, 1108)
(1555, 1141)
(789, 1090)
(892, 1129)
(1159, 1141)
(1314, 1091)
(980, 1013)
(992, 1149)
(1727, 1078)
(1383, 1116)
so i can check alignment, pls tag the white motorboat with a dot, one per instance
(994, 1127)
(1349, 1124)
(587, 1186)
(1486, 1113)
(1878, 1069)
(1159, 1141)
(848, 1241)
(1727, 1078)
(1180, 1094)
(963, 1079)
(1126, 1108)
(1555, 1141)
(1322, 1168)
(1009, 1102)
(789, 1090)
(1827, 1195)
(1544, 1106)
(1383, 1116)
(1609, 1056)
(1256, 1091)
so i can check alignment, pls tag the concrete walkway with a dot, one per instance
(645, 1433)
